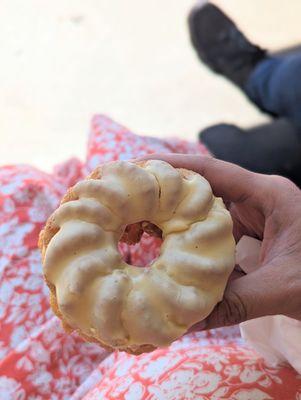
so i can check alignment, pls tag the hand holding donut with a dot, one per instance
(267, 208)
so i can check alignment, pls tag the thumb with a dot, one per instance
(254, 295)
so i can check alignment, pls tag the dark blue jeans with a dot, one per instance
(275, 87)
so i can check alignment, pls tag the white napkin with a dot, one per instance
(277, 338)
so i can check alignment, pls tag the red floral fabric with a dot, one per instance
(38, 360)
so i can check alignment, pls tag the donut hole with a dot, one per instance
(140, 243)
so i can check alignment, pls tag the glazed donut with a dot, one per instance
(122, 306)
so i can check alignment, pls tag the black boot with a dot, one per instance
(220, 44)
(273, 148)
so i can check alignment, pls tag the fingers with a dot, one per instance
(227, 180)
(251, 296)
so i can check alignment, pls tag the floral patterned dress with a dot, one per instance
(38, 360)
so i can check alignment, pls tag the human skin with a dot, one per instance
(264, 207)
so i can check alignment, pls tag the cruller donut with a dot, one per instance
(122, 306)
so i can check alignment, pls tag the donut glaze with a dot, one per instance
(122, 306)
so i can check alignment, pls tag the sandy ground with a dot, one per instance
(62, 61)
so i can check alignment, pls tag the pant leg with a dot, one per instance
(273, 148)
(275, 86)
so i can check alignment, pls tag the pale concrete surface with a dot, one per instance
(62, 61)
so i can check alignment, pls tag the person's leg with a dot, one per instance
(273, 148)
(275, 87)
(272, 83)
